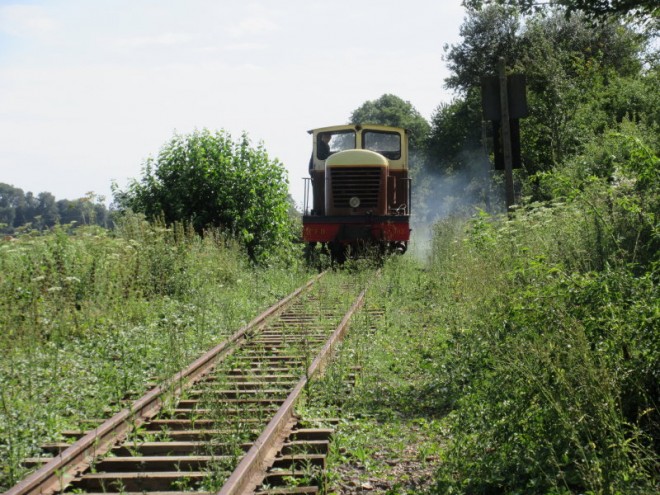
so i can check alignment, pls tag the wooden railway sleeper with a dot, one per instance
(179, 461)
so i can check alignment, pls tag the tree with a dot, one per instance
(11, 198)
(594, 9)
(88, 210)
(26, 212)
(47, 214)
(487, 35)
(570, 63)
(455, 128)
(393, 111)
(210, 180)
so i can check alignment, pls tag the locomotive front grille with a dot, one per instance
(362, 182)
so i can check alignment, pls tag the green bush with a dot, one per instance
(212, 181)
(560, 389)
(552, 320)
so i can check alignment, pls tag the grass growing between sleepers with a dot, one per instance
(390, 433)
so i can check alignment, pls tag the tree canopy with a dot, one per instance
(526, 43)
(211, 180)
(393, 111)
(574, 70)
(487, 35)
(595, 9)
(21, 210)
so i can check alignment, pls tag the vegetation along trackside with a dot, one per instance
(511, 351)
(93, 318)
(211, 180)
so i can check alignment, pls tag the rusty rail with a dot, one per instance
(63, 468)
(249, 472)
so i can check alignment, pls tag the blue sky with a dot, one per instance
(90, 89)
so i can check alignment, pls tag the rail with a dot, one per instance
(249, 473)
(183, 436)
(67, 465)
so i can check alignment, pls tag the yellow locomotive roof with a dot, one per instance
(357, 127)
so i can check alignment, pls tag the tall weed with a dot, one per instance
(551, 357)
(91, 318)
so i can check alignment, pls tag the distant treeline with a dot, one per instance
(26, 211)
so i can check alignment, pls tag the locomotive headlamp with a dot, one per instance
(354, 202)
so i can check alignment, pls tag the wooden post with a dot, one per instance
(506, 134)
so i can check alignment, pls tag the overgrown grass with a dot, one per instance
(91, 317)
(528, 347)
(522, 359)
(390, 433)
(551, 374)
(551, 356)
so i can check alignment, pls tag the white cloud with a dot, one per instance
(25, 20)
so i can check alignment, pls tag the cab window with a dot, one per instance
(328, 143)
(387, 144)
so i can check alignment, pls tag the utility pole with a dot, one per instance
(504, 103)
(506, 134)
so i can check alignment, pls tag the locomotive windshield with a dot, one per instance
(387, 144)
(332, 142)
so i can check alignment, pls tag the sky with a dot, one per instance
(89, 89)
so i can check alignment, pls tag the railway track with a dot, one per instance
(226, 424)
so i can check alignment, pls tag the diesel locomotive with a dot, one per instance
(360, 190)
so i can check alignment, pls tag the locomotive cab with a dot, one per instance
(360, 188)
